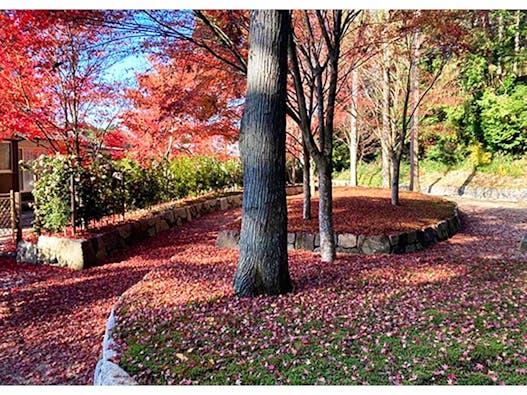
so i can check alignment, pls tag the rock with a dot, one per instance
(347, 240)
(410, 248)
(429, 236)
(228, 239)
(180, 214)
(224, 203)
(373, 244)
(452, 229)
(394, 240)
(161, 225)
(27, 252)
(347, 250)
(108, 373)
(73, 253)
(411, 237)
(442, 230)
(168, 216)
(305, 241)
(125, 231)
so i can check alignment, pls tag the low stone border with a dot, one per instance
(362, 244)
(83, 253)
(509, 195)
(107, 372)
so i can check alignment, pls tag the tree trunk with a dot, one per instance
(396, 165)
(386, 162)
(306, 182)
(353, 135)
(325, 217)
(414, 131)
(262, 266)
(386, 128)
(312, 186)
(516, 42)
(499, 70)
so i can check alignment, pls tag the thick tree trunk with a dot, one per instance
(306, 183)
(353, 135)
(262, 266)
(325, 218)
(414, 131)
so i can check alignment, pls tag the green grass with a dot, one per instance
(478, 345)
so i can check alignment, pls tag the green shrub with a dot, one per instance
(448, 150)
(504, 120)
(104, 187)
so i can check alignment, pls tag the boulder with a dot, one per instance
(347, 241)
(73, 253)
(373, 244)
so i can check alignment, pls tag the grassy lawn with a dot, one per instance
(448, 314)
(413, 321)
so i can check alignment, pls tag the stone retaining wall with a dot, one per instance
(511, 195)
(83, 253)
(362, 244)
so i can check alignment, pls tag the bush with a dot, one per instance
(478, 156)
(104, 187)
(504, 120)
(447, 150)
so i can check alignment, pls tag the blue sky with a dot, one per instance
(124, 71)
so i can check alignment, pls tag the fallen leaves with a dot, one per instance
(368, 211)
(460, 303)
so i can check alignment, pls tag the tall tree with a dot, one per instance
(52, 74)
(263, 266)
(414, 132)
(315, 52)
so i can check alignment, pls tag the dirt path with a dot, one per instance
(52, 320)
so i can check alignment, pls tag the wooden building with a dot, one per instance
(12, 176)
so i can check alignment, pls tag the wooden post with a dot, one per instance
(73, 205)
(13, 214)
(18, 210)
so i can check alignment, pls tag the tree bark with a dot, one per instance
(396, 165)
(353, 135)
(386, 128)
(306, 182)
(414, 131)
(262, 266)
(325, 217)
(516, 42)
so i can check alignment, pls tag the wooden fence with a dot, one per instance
(11, 215)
